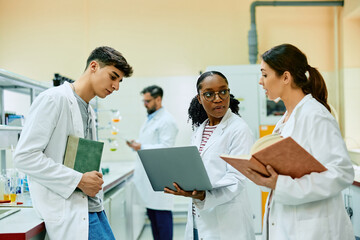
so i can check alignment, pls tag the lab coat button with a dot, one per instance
(273, 224)
(198, 215)
(84, 219)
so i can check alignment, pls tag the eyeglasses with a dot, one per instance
(210, 96)
(148, 101)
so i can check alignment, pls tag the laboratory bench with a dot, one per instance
(26, 224)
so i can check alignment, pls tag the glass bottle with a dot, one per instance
(115, 116)
(113, 145)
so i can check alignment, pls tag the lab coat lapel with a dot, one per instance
(75, 111)
(198, 135)
(290, 124)
(217, 132)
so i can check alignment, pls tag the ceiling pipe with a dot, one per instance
(252, 36)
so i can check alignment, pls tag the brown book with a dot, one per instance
(285, 155)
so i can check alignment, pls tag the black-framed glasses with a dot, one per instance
(210, 96)
(147, 101)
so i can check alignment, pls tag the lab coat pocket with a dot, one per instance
(233, 220)
(49, 204)
(54, 212)
(313, 229)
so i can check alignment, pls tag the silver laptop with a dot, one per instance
(182, 165)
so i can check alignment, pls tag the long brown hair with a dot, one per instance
(287, 57)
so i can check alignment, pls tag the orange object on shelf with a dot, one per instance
(266, 130)
(264, 196)
(116, 120)
(6, 197)
(13, 197)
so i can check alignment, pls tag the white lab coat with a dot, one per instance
(311, 207)
(53, 116)
(159, 132)
(225, 212)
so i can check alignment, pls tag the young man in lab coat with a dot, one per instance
(55, 114)
(158, 131)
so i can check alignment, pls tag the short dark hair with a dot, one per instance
(154, 90)
(107, 56)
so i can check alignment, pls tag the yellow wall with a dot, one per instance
(175, 38)
(159, 37)
(350, 74)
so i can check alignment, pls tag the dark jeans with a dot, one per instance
(196, 234)
(161, 224)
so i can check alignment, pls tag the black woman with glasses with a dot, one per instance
(224, 212)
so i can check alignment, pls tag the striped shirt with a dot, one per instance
(208, 130)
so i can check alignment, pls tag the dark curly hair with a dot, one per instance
(196, 111)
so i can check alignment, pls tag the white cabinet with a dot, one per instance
(355, 192)
(115, 209)
(106, 204)
(117, 214)
(136, 211)
(352, 200)
(125, 214)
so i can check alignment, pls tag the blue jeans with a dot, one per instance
(99, 227)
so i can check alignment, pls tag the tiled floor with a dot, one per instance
(179, 230)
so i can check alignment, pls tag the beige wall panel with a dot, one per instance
(351, 105)
(159, 38)
(39, 38)
(351, 46)
(311, 29)
(164, 38)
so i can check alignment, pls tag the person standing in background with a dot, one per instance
(225, 211)
(158, 131)
(54, 115)
(310, 207)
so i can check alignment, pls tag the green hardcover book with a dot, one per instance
(83, 155)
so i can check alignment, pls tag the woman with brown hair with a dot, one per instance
(310, 207)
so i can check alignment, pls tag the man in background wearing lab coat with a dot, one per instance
(55, 114)
(158, 131)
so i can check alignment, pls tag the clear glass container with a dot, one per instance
(114, 145)
(114, 130)
(115, 116)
